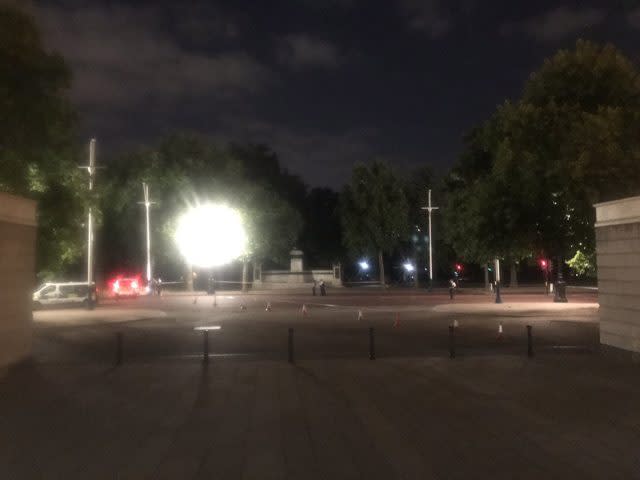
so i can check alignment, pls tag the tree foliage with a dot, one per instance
(321, 236)
(184, 170)
(374, 212)
(530, 175)
(37, 156)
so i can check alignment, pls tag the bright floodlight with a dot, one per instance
(364, 265)
(408, 267)
(211, 235)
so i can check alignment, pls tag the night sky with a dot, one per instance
(325, 83)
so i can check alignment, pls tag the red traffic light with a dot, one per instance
(543, 263)
(458, 267)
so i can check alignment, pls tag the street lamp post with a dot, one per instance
(147, 203)
(497, 268)
(91, 168)
(429, 209)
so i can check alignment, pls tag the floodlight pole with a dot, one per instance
(498, 280)
(429, 209)
(147, 203)
(91, 168)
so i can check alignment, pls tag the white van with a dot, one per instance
(62, 294)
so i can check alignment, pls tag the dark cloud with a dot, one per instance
(633, 17)
(303, 51)
(123, 57)
(325, 83)
(426, 15)
(321, 158)
(557, 23)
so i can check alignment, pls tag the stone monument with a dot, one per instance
(296, 276)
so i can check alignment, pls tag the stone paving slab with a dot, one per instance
(553, 416)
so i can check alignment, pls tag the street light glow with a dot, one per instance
(364, 265)
(409, 267)
(211, 235)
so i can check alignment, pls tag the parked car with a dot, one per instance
(64, 294)
(126, 287)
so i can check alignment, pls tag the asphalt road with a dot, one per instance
(406, 323)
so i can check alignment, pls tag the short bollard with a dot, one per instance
(205, 339)
(119, 338)
(372, 344)
(291, 359)
(452, 341)
(529, 341)
(205, 346)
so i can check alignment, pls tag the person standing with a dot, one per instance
(452, 288)
(323, 290)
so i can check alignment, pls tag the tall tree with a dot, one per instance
(529, 176)
(183, 170)
(321, 236)
(374, 212)
(37, 157)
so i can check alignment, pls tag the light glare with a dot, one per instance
(211, 235)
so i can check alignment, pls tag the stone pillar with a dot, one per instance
(257, 272)
(618, 261)
(296, 260)
(337, 271)
(17, 277)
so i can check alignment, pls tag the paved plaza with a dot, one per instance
(413, 412)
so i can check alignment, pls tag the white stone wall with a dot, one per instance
(17, 265)
(618, 259)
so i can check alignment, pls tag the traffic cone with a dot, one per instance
(268, 307)
(500, 332)
(304, 310)
(396, 322)
(360, 315)
(455, 324)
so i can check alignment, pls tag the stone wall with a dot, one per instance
(618, 258)
(273, 279)
(17, 276)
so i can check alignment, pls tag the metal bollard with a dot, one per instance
(372, 344)
(291, 359)
(529, 341)
(452, 342)
(119, 341)
(205, 346)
